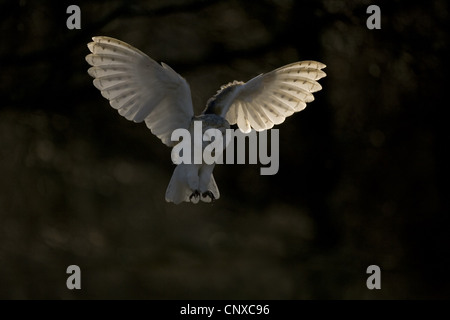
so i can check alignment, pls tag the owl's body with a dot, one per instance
(194, 181)
(143, 90)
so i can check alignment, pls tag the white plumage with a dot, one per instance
(143, 90)
(140, 88)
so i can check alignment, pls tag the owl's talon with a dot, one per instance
(195, 195)
(209, 194)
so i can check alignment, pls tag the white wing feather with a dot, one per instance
(140, 88)
(269, 98)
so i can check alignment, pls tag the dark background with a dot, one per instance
(363, 173)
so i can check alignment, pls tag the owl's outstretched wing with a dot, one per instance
(269, 98)
(140, 88)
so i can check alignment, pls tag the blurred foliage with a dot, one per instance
(363, 170)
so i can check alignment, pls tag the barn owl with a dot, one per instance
(143, 90)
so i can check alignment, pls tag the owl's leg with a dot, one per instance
(207, 185)
(193, 180)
